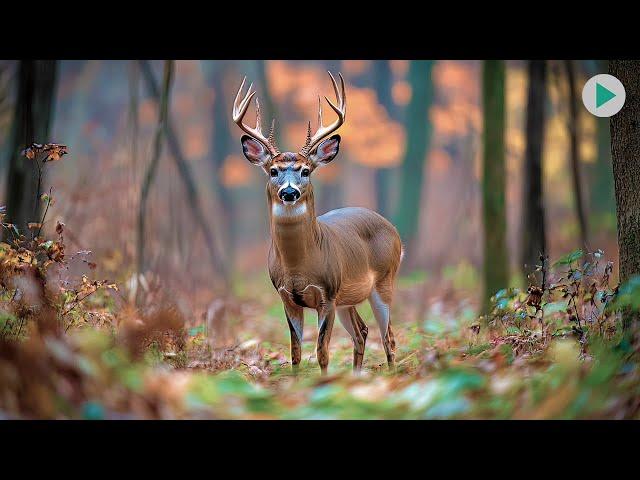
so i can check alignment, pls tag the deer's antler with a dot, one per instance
(240, 109)
(322, 131)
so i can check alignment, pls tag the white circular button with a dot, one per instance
(603, 95)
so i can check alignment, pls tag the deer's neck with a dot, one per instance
(294, 230)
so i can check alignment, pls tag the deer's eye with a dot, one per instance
(305, 172)
(274, 172)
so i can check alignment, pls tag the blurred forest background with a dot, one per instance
(412, 150)
(483, 166)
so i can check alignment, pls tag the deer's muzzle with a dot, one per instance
(289, 194)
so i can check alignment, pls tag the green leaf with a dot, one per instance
(507, 351)
(455, 406)
(131, 377)
(628, 295)
(555, 307)
(458, 380)
(434, 326)
(93, 411)
(193, 331)
(501, 294)
(570, 258)
(575, 275)
(502, 304)
(414, 278)
(47, 245)
(477, 349)
(511, 330)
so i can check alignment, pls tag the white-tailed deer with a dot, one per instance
(330, 263)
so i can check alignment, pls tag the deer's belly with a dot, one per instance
(352, 292)
(355, 291)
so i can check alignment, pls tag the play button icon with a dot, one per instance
(603, 95)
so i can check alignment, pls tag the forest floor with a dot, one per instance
(87, 353)
(447, 366)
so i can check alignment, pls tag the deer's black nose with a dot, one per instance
(289, 194)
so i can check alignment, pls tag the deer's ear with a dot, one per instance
(326, 151)
(255, 152)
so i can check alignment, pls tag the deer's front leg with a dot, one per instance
(326, 316)
(295, 320)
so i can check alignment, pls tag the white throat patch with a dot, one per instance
(278, 209)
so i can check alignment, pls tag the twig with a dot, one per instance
(152, 168)
(545, 259)
(75, 303)
(13, 234)
(35, 209)
(184, 169)
(575, 306)
(4, 329)
(45, 212)
(20, 328)
(407, 357)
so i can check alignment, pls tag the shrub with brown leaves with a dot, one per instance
(572, 299)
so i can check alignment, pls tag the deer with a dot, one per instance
(330, 263)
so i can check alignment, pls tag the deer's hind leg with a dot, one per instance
(380, 301)
(358, 330)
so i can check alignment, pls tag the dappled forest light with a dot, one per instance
(163, 225)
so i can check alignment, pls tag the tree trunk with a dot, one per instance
(574, 136)
(267, 104)
(31, 123)
(414, 164)
(134, 101)
(383, 84)
(329, 194)
(602, 196)
(493, 181)
(221, 148)
(533, 228)
(134, 128)
(184, 169)
(160, 135)
(625, 155)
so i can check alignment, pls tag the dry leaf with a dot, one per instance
(52, 151)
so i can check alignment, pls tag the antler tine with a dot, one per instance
(258, 120)
(344, 94)
(239, 111)
(342, 98)
(335, 85)
(307, 144)
(247, 99)
(272, 130)
(340, 109)
(272, 138)
(235, 101)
